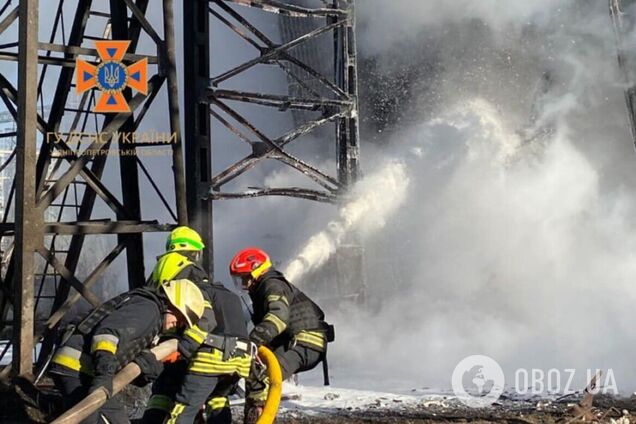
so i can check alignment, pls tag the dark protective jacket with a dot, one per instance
(113, 334)
(217, 339)
(283, 313)
(222, 317)
(224, 350)
(183, 267)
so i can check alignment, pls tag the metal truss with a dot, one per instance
(51, 206)
(623, 24)
(324, 99)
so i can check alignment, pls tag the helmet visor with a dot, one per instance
(241, 282)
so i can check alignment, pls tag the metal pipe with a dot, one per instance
(95, 400)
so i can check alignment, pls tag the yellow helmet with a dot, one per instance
(184, 238)
(186, 297)
(169, 266)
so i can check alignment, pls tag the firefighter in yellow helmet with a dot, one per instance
(215, 353)
(119, 331)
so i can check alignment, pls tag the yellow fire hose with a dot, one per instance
(96, 399)
(92, 402)
(275, 386)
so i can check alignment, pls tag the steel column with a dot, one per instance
(198, 147)
(129, 172)
(347, 132)
(350, 255)
(28, 219)
(169, 68)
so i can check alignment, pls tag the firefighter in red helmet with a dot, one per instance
(285, 320)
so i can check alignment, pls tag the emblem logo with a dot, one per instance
(111, 76)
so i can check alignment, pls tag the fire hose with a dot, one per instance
(275, 386)
(131, 371)
(93, 401)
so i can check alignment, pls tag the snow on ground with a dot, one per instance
(320, 400)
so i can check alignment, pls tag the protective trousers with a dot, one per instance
(188, 403)
(163, 391)
(294, 360)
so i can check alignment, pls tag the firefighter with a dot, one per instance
(214, 354)
(120, 331)
(285, 320)
(184, 250)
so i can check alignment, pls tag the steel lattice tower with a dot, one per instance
(52, 214)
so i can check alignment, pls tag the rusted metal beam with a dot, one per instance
(43, 60)
(62, 89)
(274, 53)
(170, 70)
(285, 56)
(128, 169)
(281, 102)
(140, 16)
(28, 218)
(624, 62)
(97, 147)
(197, 137)
(9, 94)
(318, 176)
(68, 276)
(77, 51)
(347, 132)
(248, 162)
(290, 9)
(301, 193)
(110, 124)
(9, 19)
(157, 190)
(88, 283)
(106, 227)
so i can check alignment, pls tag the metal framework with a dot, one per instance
(60, 193)
(623, 23)
(64, 180)
(326, 99)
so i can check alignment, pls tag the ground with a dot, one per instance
(326, 405)
(332, 405)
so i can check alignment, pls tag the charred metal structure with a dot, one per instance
(62, 198)
(324, 98)
(623, 20)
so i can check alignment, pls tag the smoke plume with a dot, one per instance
(516, 235)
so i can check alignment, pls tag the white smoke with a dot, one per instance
(504, 249)
(375, 199)
(511, 243)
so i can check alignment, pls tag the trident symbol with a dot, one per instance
(111, 74)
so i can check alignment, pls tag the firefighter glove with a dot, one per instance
(187, 347)
(102, 381)
(259, 336)
(149, 365)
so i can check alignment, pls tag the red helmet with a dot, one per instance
(250, 262)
